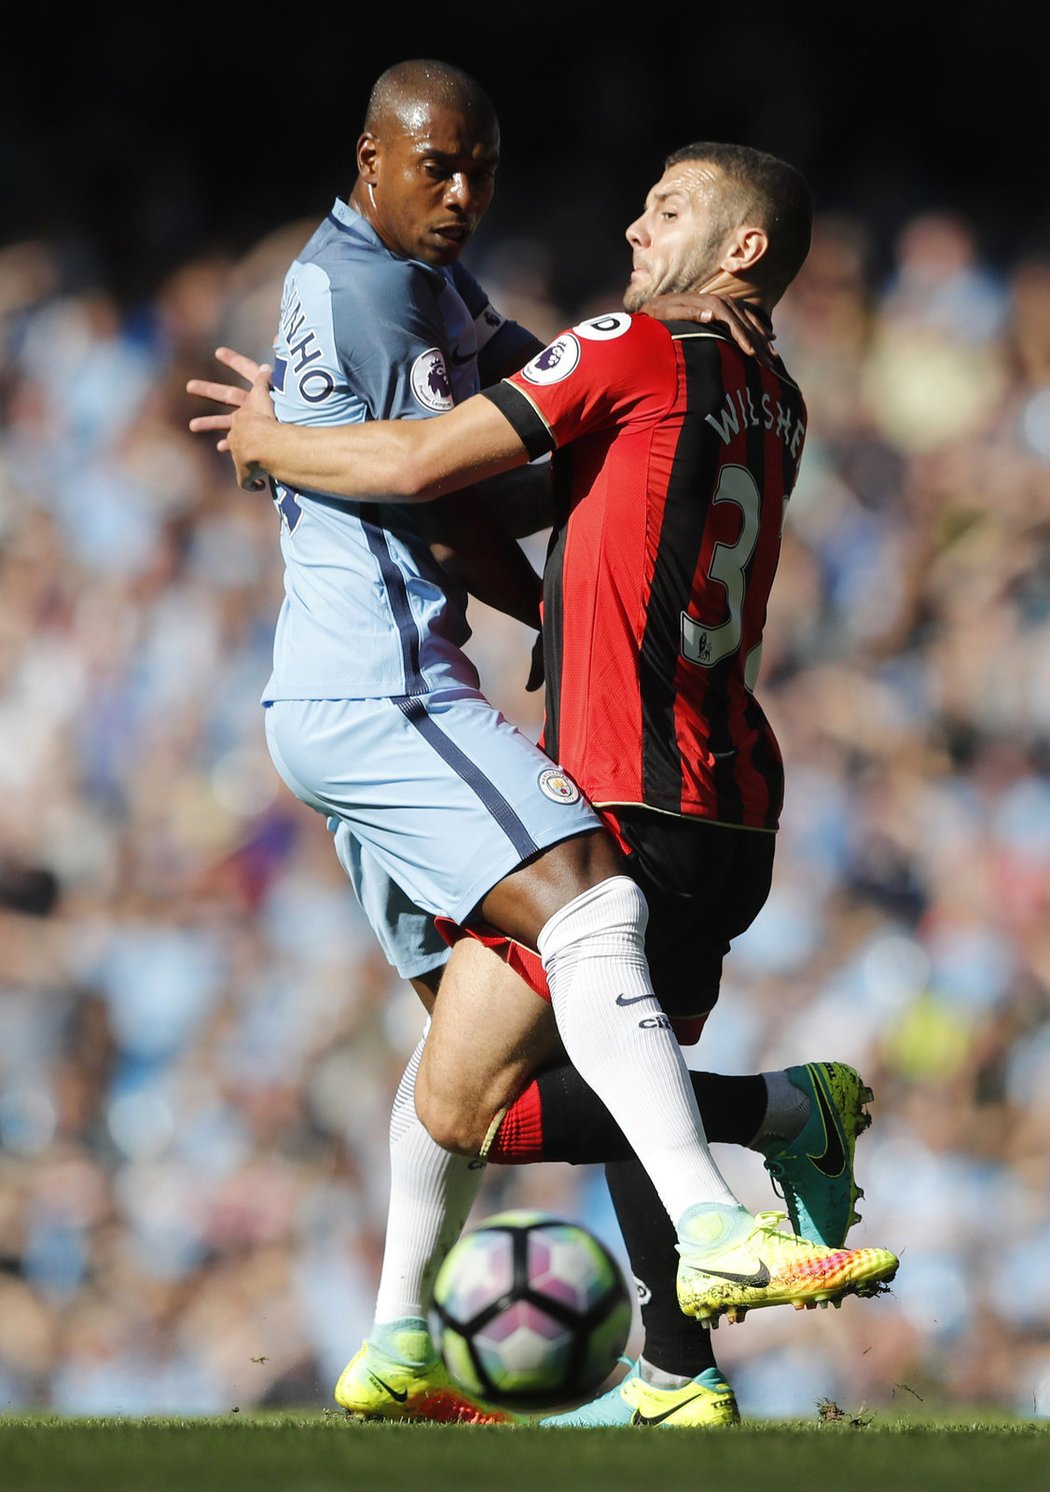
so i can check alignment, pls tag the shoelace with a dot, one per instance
(776, 1175)
(768, 1223)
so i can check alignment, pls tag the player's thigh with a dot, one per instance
(489, 1031)
(704, 884)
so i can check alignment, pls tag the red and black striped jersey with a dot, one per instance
(674, 455)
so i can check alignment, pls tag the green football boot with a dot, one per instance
(813, 1173)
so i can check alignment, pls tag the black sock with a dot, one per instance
(578, 1128)
(673, 1343)
(732, 1108)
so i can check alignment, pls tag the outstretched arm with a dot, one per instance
(382, 460)
(467, 531)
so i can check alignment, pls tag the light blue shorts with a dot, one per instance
(407, 935)
(441, 792)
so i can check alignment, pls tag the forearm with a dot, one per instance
(357, 461)
(475, 548)
(512, 586)
(381, 460)
(521, 500)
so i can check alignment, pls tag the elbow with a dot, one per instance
(421, 482)
(407, 481)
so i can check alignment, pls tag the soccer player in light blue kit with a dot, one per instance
(374, 716)
(372, 331)
(378, 320)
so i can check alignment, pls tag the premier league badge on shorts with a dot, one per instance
(556, 785)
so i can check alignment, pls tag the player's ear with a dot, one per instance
(367, 153)
(745, 247)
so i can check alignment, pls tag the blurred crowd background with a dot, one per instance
(199, 1040)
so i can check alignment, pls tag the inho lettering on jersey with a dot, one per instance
(305, 363)
(430, 382)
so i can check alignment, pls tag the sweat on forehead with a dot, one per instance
(690, 177)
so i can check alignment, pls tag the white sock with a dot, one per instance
(431, 1194)
(621, 1043)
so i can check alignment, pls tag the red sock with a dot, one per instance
(519, 1139)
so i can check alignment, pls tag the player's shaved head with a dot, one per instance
(403, 96)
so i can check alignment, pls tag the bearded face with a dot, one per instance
(678, 240)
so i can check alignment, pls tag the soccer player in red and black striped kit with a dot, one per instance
(673, 456)
(666, 539)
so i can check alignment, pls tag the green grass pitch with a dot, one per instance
(323, 1452)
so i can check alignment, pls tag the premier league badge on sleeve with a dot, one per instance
(556, 785)
(430, 381)
(555, 362)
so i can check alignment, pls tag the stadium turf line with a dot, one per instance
(311, 1452)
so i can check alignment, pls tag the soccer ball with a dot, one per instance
(530, 1311)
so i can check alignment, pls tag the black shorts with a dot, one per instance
(705, 884)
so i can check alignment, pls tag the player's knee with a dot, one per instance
(451, 1123)
(454, 1131)
(611, 916)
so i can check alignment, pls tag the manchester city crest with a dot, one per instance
(558, 786)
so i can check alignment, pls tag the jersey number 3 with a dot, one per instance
(707, 646)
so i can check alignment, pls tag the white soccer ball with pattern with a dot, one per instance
(530, 1311)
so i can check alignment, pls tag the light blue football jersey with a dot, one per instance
(365, 335)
